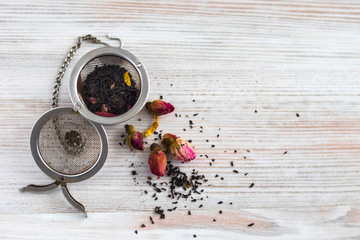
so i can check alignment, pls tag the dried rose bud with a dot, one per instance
(134, 138)
(186, 152)
(159, 107)
(157, 160)
(178, 148)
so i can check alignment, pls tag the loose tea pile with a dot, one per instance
(185, 191)
(109, 91)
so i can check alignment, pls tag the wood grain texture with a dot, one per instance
(279, 58)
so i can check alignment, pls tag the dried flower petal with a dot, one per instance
(106, 114)
(134, 138)
(157, 161)
(153, 127)
(159, 107)
(92, 100)
(127, 78)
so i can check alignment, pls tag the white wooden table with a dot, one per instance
(279, 58)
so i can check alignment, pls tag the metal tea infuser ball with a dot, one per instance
(69, 144)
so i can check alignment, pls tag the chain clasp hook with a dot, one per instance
(115, 38)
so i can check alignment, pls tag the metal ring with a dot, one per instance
(34, 144)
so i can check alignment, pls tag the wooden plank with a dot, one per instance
(250, 66)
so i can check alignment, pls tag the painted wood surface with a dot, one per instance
(250, 66)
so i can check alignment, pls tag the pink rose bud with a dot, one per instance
(134, 138)
(157, 161)
(159, 107)
(178, 148)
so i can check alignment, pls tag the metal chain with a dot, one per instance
(70, 145)
(67, 60)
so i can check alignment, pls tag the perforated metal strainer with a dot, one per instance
(108, 56)
(67, 148)
(69, 144)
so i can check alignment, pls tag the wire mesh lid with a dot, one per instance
(108, 56)
(68, 147)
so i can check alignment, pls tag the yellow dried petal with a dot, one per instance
(127, 78)
(153, 127)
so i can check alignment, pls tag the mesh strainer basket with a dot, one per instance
(108, 56)
(69, 144)
(67, 148)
